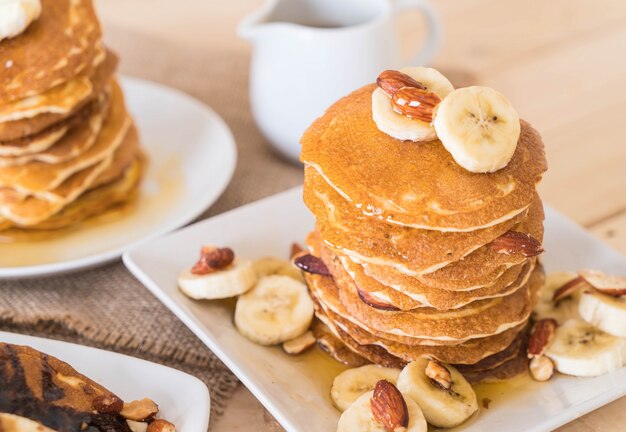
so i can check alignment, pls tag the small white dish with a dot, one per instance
(295, 389)
(192, 156)
(183, 399)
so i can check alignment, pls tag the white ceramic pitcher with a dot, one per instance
(309, 53)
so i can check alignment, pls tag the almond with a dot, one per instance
(161, 425)
(611, 285)
(369, 300)
(439, 374)
(541, 368)
(390, 81)
(213, 259)
(540, 336)
(568, 289)
(415, 103)
(514, 242)
(389, 407)
(108, 404)
(311, 264)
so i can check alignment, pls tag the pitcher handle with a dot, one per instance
(427, 50)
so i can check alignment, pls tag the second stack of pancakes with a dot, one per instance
(68, 147)
(414, 245)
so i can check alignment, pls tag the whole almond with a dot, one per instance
(390, 81)
(213, 259)
(415, 103)
(514, 242)
(375, 303)
(311, 264)
(611, 285)
(540, 336)
(389, 407)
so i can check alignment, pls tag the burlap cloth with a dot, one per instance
(107, 307)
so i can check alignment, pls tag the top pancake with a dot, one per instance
(416, 184)
(52, 50)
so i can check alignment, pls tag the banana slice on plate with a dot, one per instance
(399, 126)
(275, 266)
(581, 349)
(442, 407)
(560, 311)
(232, 281)
(352, 383)
(606, 312)
(277, 309)
(479, 127)
(359, 418)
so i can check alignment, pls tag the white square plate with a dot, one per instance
(295, 389)
(183, 399)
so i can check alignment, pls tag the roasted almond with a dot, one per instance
(438, 374)
(568, 289)
(415, 103)
(390, 81)
(213, 259)
(389, 407)
(161, 425)
(611, 285)
(514, 242)
(311, 264)
(371, 301)
(540, 336)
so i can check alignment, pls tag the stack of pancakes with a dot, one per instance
(408, 238)
(68, 147)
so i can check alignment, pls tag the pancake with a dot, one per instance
(38, 178)
(347, 230)
(416, 184)
(334, 346)
(72, 144)
(33, 210)
(64, 39)
(480, 268)
(96, 78)
(44, 389)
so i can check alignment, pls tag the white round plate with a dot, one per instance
(192, 157)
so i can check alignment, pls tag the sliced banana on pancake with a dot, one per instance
(479, 127)
(581, 349)
(562, 310)
(277, 309)
(359, 417)
(352, 383)
(399, 126)
(606, 312)
(443, 394)
(238, 278)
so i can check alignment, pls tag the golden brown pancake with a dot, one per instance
(416, 184)
(45, 389)
(64, 39)
(346, 229)
(17, 133)
(39, 177)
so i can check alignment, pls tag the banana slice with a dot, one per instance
(236, 279)
(399, 126)
(581, 349)
(564, 309)
(277, 309)
(352, 383)
(479, 127)
(358, 417)
(274, 266)
(606, 312)
(442, 407)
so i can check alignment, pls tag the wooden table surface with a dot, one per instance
(562, 63)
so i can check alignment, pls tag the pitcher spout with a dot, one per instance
(254, 24)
